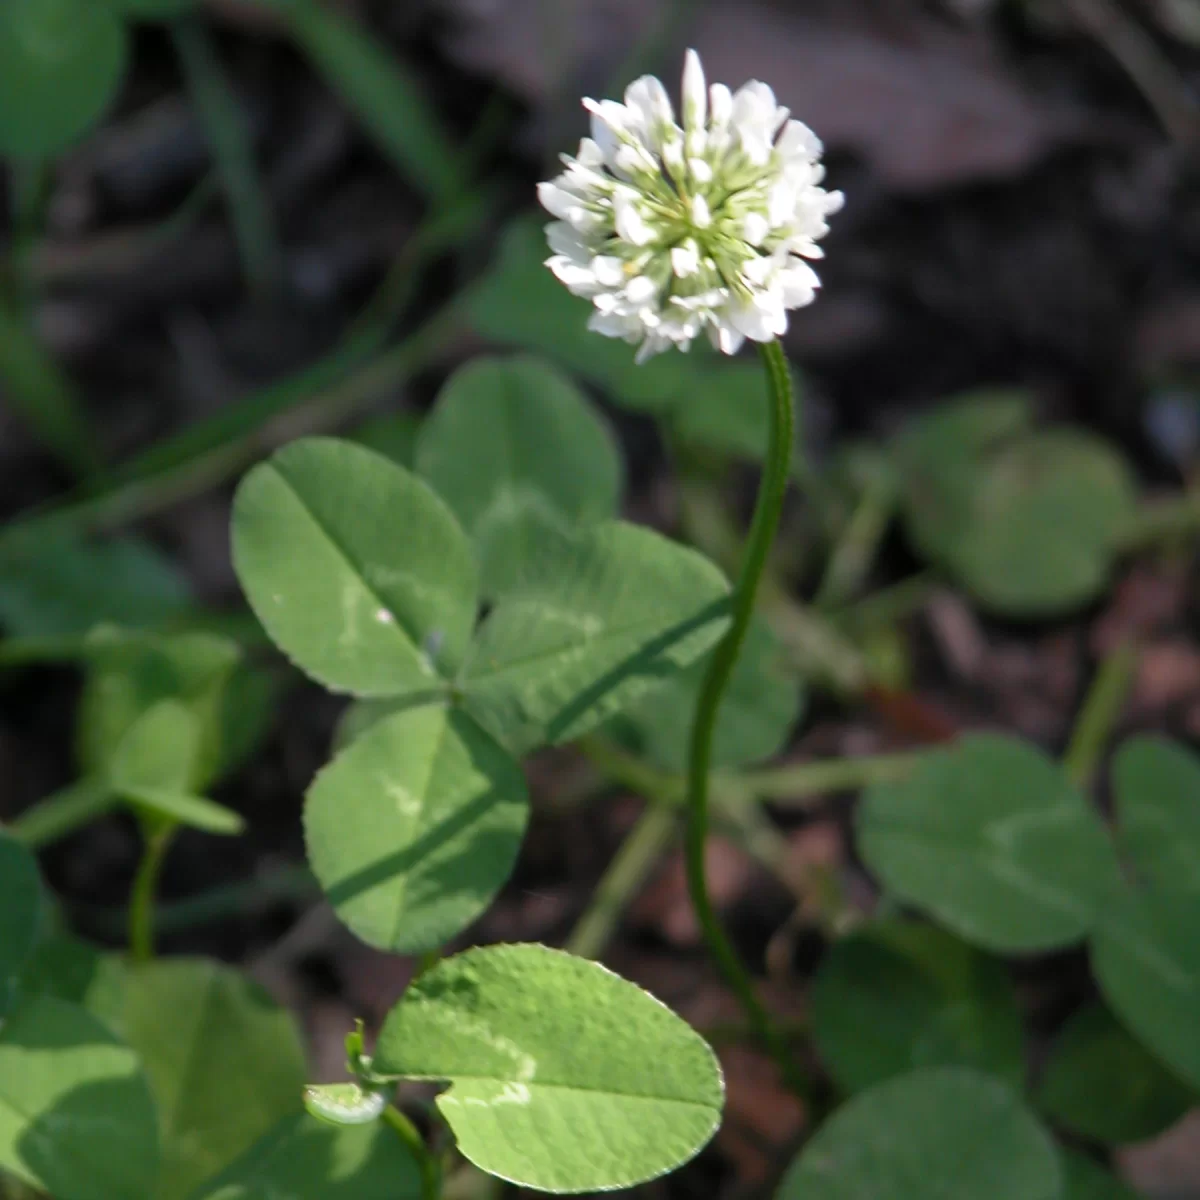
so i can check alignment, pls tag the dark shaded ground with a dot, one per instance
(1016, 215)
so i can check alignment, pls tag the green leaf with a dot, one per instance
(898, 995)
(563, 1076)
(1087, 1180)
(414, 827)
(37, 389)
(20, 913)
(1146, 958)
(1156, 784)
(939, 453)
(302, 1156)
(1050, 511)
(1029, 522)
(57, 585)
(513, 446)
(71, 970)
(346, 1103)
(130, 673)
(943, 1131)
(76, 1116)
(394, 435)
(357, 571)
(224, 1062)
(61, 63)
(758, 712)
(598, 620)
(1103, 1085)
(155, 763)
(991, 838)
(380, 92)
(153, 10)
(520, 303)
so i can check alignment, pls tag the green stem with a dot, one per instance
(145, 885)
(645, 844)
(410, 1135)
(64, 812)
(798, 784)
(772, 491)
(1101, 710)
(852, 558)
(232, 145)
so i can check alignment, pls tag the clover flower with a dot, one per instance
(671, 232)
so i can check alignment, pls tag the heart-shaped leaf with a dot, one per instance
(938, 456)
(564, 1077)
(61, 62)
(991, 838)
(598, 620)
(155, 763)
(415, 826)
(1156, 784)
(129, 673)
(1146, 957)
(71, 970)
(898, 995)
(76, 1116)
(1030, 522)
(943, 1131)
(1100, 1083)
(302, 1156)
(357, 571)
(1050, 511)
(225, 1064)
(513, 447)
(20, 913)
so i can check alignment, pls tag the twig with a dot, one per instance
(1144, 63)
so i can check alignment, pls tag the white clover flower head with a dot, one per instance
(676, 231)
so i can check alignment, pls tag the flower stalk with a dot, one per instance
(771, 493)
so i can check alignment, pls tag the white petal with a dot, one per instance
(648, 100)
(701, 216)
(797, 140)
(641, 290)
(608, 270)
(556, 200)
(608, 325)
(579, 280)
(760, 321)
(695, 106)
(720, 100)
(654, 344)
(563, 239)
(631, 225)
(755, 228)
(700, 170)
(727, 339)
(799, 282)
(685, 259)
(590, 154)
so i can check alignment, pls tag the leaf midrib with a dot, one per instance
(532, 1084)
(408, 637)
